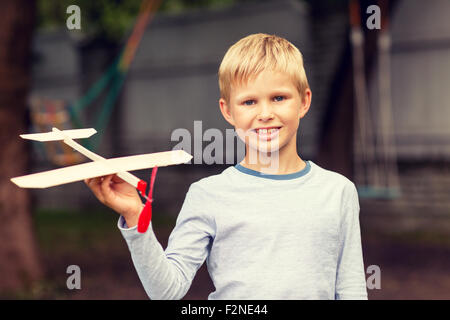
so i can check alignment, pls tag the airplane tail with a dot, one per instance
(57, 135)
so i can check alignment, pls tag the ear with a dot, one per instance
(306, 103)
(226, 111)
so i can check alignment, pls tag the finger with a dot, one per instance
(88, 181)
(94, 184)
(105, 186)
(117, 179)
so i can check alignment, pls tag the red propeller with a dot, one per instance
(146, 214)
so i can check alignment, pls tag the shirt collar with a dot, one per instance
(288, 176)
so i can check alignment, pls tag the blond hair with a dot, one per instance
(259, 52)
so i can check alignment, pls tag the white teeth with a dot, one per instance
(266, 131)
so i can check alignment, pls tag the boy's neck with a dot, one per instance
(274, 163)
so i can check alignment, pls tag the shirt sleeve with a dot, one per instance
(350, 276)
(168, 274)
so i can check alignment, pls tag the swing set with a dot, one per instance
(374, 157)
(48, 113)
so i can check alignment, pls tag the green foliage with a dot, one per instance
(178, 6)
(112, 19)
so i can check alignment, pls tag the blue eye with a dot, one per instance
(249, 102)
(279, 98)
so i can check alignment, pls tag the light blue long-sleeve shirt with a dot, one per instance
(292, 236)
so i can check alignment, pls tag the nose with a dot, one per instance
(265, 112)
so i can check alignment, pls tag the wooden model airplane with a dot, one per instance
(99, 166)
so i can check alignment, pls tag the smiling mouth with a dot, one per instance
(267, 133)
(268, 130)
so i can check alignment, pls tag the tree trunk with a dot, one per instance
(19, 263)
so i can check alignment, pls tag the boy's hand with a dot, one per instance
(118, 195)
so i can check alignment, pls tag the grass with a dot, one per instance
(63, 230)
(89, 238)
(69, 230)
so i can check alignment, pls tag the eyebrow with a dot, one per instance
(281, 91)
(250, 96)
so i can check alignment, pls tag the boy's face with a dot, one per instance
(270, 100)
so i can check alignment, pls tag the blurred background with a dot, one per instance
(138, 70)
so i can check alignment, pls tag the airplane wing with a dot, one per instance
(101, 168)
(60, 135)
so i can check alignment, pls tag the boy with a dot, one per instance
(290, 231)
